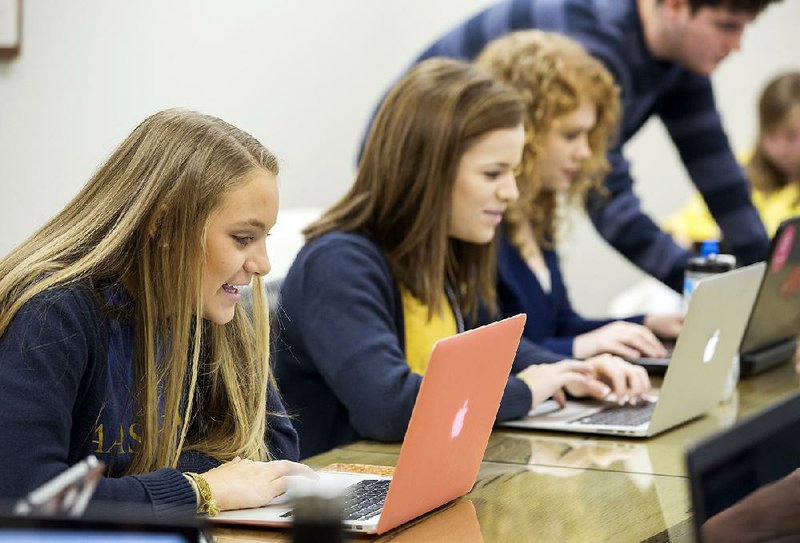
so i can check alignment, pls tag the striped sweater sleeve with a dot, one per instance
(693, 122)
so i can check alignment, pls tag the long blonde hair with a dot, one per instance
(554, 74)
(402, 192)
(141, 219)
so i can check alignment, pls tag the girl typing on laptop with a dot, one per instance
(571, 113)
(121, 335)
(406, 258)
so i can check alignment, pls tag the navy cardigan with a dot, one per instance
(340, 360)
(552, 322)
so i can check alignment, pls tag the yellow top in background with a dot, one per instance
(694, 223)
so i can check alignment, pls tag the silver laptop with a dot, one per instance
(693, 384)
(770, 338)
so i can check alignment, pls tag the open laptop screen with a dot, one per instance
(71, 536)
(776, 313)
(728, 467)
(16, 529)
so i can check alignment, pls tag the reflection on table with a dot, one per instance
(556, 487)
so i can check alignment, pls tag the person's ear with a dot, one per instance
(675, 9)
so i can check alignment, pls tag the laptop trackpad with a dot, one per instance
(552, 412)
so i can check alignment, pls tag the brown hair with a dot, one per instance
(142, 217)
(778, 99)
(553, 73)
(402, 193)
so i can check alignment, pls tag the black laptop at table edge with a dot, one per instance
(729, 466)
(770, 338)
(122, 526)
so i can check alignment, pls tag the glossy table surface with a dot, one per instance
(545, 486)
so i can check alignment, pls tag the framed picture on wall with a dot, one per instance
(10, 27)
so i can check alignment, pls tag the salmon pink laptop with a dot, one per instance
(443, 446)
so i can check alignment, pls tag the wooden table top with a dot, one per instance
(552, 486)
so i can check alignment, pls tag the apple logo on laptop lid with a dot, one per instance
(711, 347)
(458, 421)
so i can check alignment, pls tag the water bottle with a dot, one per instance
(711, 262)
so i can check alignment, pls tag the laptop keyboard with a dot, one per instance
(362, 500)
(621, 415)
(365, 499)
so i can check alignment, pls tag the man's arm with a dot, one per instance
(619, 219)
(768, 514)
(693, 122)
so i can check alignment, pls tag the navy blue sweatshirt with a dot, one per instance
(66, 374)
(552, 322)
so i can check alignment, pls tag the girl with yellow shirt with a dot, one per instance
(406, 257)
(773, 169)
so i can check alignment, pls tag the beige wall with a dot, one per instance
(302, 77)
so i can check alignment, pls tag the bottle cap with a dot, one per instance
(708, 265)
(709, 247)
(710, 260)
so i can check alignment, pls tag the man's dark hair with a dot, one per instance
(747, 6)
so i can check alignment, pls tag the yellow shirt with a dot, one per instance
(695, 223)
(421, 333)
